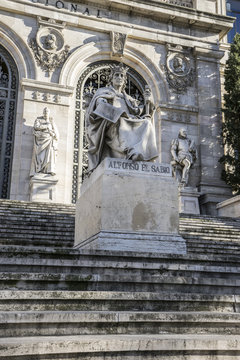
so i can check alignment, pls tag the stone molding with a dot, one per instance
(208, 54)
(163, 10)
(46, 92)
(187, 108)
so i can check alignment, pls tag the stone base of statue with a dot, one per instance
(189, 200)
(129, 206)
(230, 207)
(43, 188)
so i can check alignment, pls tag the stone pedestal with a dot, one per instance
(230, 207)
(188, 201)
(129, 206)
(43, 188)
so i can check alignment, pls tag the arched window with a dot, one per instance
(95, 76)
(8, 102)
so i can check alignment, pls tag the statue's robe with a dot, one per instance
(128, 134)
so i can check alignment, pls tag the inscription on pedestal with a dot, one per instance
(147, 168)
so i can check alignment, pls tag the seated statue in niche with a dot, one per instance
(45, 145)
(117, 125)
(184, 154)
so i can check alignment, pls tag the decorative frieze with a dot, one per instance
(46, 93)
(186, 3)
(76, 6)
(179, 117)
(46, 97)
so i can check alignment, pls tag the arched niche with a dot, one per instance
(75, 73)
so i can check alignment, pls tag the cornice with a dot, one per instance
(154, 9)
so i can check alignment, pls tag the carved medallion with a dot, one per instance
(49, 49)
(179, 70)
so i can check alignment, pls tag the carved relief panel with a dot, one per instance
(49, 47)
(118, 43)
(179, 68)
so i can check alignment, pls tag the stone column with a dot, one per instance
(211, 186)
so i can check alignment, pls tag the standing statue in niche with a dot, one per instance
(45, 145)
(117, 125)
(184, 154)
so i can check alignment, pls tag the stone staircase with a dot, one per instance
(57, 302)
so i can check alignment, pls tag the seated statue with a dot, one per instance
(117, 125)
(184, 154)
(45, 145)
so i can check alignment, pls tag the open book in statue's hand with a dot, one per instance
(109, 112)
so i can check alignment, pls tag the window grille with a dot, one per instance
(8, 102)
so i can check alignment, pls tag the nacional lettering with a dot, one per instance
(81, 8)
(72, 7)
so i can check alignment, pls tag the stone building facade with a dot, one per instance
(55, 54)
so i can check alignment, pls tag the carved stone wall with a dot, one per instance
(174, 49)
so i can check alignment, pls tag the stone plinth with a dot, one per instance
(43, 188)
(188, 201)
(230, 207)
(130, 206)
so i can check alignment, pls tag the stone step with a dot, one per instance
(90, 281)
(213, 235)
(79, 265)
(30, 243)
(217, 221)
(40, 231)
(211, 218)
(39, 223)
(23, 300)
(59, 323)
(26, 205)
(217, 248)
(188, 224)
(115, 259)
(7, 216)
(208, 246)
(118, 344)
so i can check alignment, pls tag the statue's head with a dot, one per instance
(46, 112)
(183, 133)
(118, 75)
